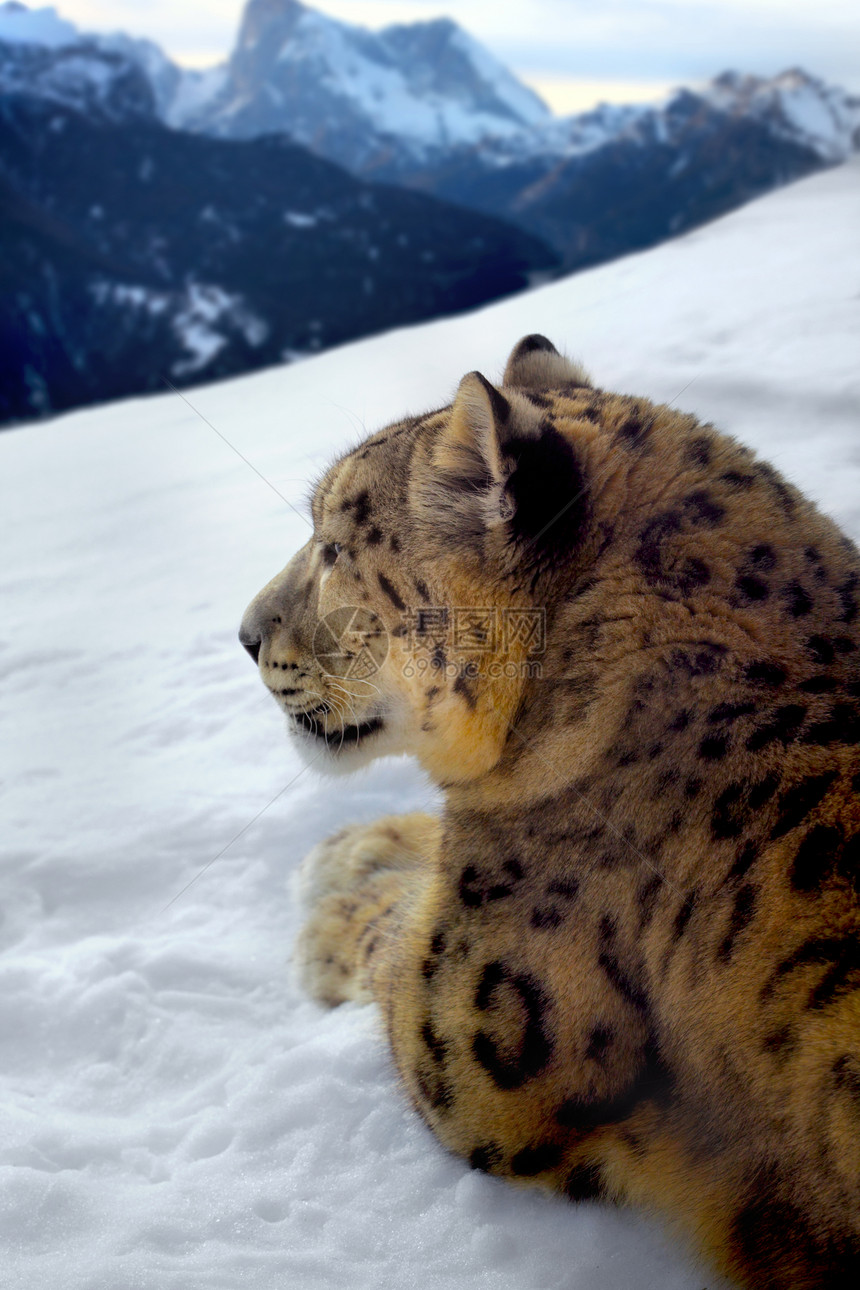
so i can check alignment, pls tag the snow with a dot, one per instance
(521, 100)
(176, 1116)
(360, 67)
(194, 91)
(299, 219)
(801, 107)
(196, 311)
(20, 25)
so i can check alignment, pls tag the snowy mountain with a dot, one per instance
(354, 95)
(622, 178)
(426, 107)
(136, 254)
(175, 1113)
(44, 55)
(102, 82)
(350, 94)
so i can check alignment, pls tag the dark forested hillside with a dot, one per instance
(134, 253)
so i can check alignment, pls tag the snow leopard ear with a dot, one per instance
(535, 364)
(501, 467)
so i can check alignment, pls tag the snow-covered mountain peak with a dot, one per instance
(354, 94)
(796, 105)
(20, 25)
(113, 74)
(443, 58)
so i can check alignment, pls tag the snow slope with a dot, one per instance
(175, 1115)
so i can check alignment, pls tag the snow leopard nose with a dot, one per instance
(252, 641)
(257, 623)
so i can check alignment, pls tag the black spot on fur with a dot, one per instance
(374, 536)
(680, 721)
(635, 427)
(546, 919)
(762, 557)
(798, 600)
(436, 1046)
(821, 650)
(435, 1090)
(738, 479)
(763, 672)
(423, 590)
(743, 910)
(816, 858)
(646, 898)
(705, 661)
(653, 1082)
(713, 747)
(361, 507)
(684, 915)
(729, 814)
(534, 1160)
(699, 451)
(599, 1041)
(784, 723)
(537, 398)
(762, 791)
(818, 685)
(479, 887)
(701, 508)
(744, 861)
(841, 726)
(465, 689)
(775, 1246)
(840, 978)
(567, 888)
(839, 954)
(730, 711)
(391, 592)
(848, 599)
(752, 588)
(780, 489)
(654, 557)
(584, 1182)
(797, 802)
(394, 543)
(781, 1041)
(524, 1050)
(486, 1157)
(615, 972)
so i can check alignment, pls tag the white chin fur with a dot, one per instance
(333, 760)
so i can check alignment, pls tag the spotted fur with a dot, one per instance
(624, 961)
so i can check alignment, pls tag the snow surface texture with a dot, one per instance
(176, 1116)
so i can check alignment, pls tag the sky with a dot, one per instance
(574, 52)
